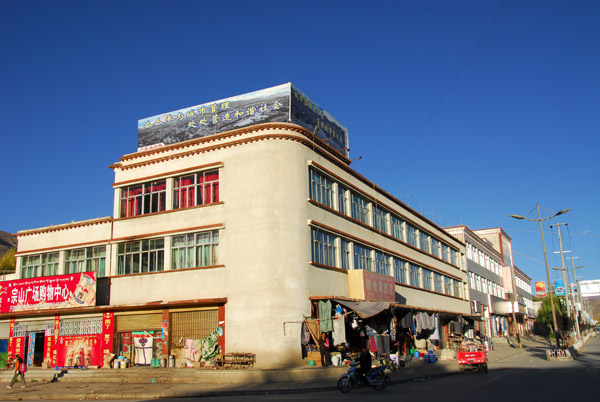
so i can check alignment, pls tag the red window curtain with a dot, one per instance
(131, 202)
(211, 187)
(184, 192)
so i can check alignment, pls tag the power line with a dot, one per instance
(420, 131)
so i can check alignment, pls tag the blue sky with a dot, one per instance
(467, 110)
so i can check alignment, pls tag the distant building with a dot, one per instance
(486, 281)
(525, 301)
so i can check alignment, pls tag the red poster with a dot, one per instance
(56, 332)
(79, 350)
(107, 332)
(63, 291)
(379, 287)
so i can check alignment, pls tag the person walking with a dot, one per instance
(20, 369)
(324, 349)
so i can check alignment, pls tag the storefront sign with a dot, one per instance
(559, 288)
(366, 285)
(283, 103)
(540, 289)
(63, 291)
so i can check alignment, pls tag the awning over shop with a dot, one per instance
(364, 309)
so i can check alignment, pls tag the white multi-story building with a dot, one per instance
(231, 238)
(486, 281)
(525, 301)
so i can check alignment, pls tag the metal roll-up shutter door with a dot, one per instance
(139, 322)
(34, 326)
(194, 324)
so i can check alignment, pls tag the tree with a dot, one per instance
(544, 315)
(8, 262)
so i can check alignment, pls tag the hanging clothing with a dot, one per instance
(436, 333)
(406, 321)
(339, 330)
(143, 350)
(208, 345)
(325, 316)
(425, 322)
(313, 328)
(305, 334)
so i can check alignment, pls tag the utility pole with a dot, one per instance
(575, 302)
(564, 269)
(549, 292)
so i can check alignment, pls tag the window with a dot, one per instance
(140, 256)
(360, 208)
(448, 285)
(438, 282)
(427, 280)
(323, 248)
(436, 247)
(196, 189)
(86, 260)
(446, 252)
(397, 229)
(342, 200)
(142, 199)
(380, 219)
(194, 250)
(34, 266)
(469, 251)
(456, 285)
(362, 258)
(321, 188)
(400, 271)
(471, 280)
(424, 241)
(411, 234)
(382, 264)
(345, 246)
(454, 257)
(415, 276)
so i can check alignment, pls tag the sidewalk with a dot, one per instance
(154, 383)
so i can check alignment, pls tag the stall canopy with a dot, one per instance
(363, 308)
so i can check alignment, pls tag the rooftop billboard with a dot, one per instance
(283, 103)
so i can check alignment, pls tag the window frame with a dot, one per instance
(323, 248)
(190, 250)
(149, 252)
(143, 198)
(204, 190)
(321, 188)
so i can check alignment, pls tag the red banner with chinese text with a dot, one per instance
(62, 291)
(108, 319)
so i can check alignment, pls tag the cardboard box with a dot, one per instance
(316, 356)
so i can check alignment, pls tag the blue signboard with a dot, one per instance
(559, 288)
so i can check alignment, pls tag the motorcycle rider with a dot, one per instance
(365, 362)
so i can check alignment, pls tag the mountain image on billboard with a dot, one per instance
(263, 106)
(282, 103)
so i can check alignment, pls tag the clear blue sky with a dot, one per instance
(468, 110)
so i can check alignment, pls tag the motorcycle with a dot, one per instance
(352, 379)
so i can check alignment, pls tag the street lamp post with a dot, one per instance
(539, 219)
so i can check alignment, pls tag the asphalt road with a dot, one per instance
(525, 377)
